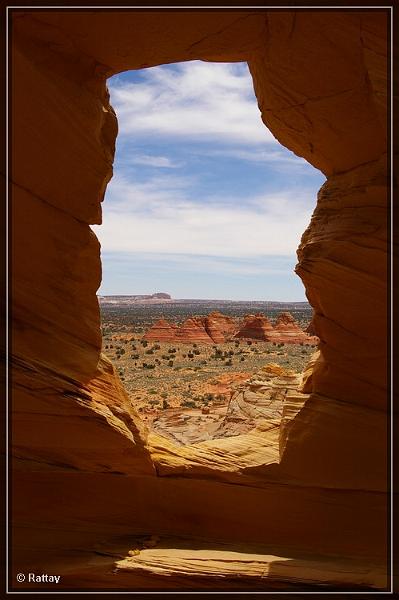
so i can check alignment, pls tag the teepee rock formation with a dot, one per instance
(255, 327)
(161, 331)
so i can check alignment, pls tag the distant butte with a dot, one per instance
(135, 298)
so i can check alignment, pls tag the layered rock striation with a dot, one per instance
(219, 327)
(215, 328)
(286, 330)
(255, 327)
(193, 330)
(81, 455)
(161, 331)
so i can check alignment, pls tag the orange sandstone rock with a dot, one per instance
(193, 330)
(161, 331)
(256, 327)
(287, 331)
(80, 452)
(219, 327)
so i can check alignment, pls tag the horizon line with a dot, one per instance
(202, 299)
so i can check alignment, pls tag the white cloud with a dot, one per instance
(161, 216)
(199, 100)
(127, 196)
(173, 218)
(154, 161)
(263, 156)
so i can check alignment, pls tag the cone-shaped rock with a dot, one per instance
(288, 331)
(256, 327)
(161, 331)
(193, 330)
(220, 327)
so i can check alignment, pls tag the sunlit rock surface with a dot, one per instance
(161, 331)
(255, 327)
(89, 469)
(287, 331)
(256, 403)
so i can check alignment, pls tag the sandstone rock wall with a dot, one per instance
(83, 456)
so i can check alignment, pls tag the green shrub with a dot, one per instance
(188, 403)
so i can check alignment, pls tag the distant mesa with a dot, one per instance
(162, 296)
(217, 328)
(135, 298)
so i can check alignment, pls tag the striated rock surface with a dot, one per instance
(161, 331)
(226, 567)
(193, 330)
(287, 331)
(220, 327)
(60, 424)
(91, 472)
(259, 401)
(256, 327)
(214, 328)
(223, 384)
(256, 402)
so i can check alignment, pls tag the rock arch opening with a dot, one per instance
(206, 203)
(80, 453)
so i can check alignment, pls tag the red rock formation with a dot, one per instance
(161, 331)
(220, 327)
(287, 331)
(224, 383)
(83, 461)
(215, 327)
(193, 330)
(255, 327)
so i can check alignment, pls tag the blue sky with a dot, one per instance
(204, 202)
